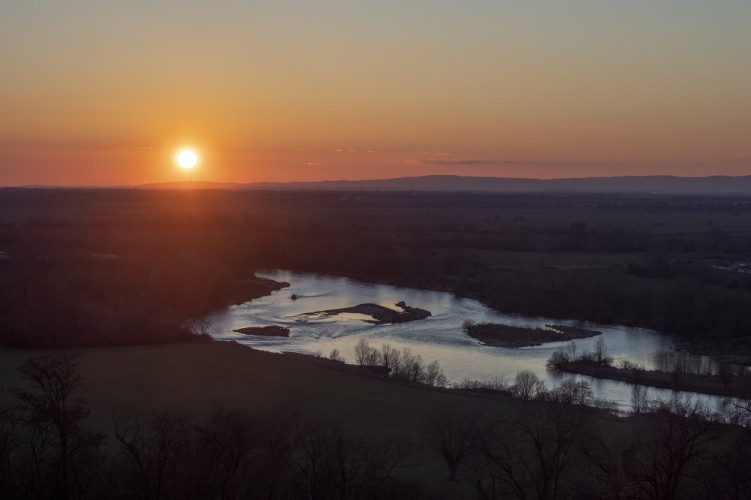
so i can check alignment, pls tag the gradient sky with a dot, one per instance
(104, 92)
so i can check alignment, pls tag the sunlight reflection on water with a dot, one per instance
(439, 337)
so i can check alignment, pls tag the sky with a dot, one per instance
(104, 92)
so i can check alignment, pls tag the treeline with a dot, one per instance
(559, 453)
(400, 365)
(535, 451)
(90, 300)
(65, 297)
(688, 302)
(731, 381)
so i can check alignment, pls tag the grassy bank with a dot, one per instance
(194, 377)
(731, 386)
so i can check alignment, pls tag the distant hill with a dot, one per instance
(717, 184)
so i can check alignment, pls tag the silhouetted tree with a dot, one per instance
(366, 355)
(531, 456)
(9, 443)
(677, 440)
(152, 455)
(527, 385)
(451, 433)
(53, 420)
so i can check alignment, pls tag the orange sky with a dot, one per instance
(96, 93)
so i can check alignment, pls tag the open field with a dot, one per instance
(191, 377)
(196, 378)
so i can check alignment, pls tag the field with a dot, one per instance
(191, 377)
(195, 378)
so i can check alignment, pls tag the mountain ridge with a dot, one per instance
(716, 184)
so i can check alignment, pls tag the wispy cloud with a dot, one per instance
(474, 162)
(354, 150)
(444, 163)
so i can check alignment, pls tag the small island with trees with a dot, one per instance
(501, 335)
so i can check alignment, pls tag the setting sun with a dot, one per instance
(187, 159)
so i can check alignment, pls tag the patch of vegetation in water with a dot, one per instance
(497, 334)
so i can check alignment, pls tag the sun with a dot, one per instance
(187, 159)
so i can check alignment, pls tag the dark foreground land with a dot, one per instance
(218, 420)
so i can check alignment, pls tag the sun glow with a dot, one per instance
(187, 159)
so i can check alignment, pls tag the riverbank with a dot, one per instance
(245, 290)
(500, 335)
(730, 386)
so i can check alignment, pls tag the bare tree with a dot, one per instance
(601, 352)
(391, 359)
(53, 420)
(451, 433)
(527, 385)
(434, 375)
(639, 400)
(8, 445)
(531, 456)
(366, 355)
(201, 326)
(223, 455)
(411, 368)
(677, 440)
(335, 355)
(151, 454)
(573, 392)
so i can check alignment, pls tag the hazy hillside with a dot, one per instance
(642, 184)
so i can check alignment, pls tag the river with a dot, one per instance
(440, 337)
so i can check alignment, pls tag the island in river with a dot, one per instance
(500, 335)
(379, 313)
(267, 331)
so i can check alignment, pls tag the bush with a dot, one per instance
(573, 392)
(559, 358)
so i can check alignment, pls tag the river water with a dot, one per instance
(440, 337)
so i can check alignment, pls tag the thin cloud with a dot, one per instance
(543, 163)
(473, 162)
(444, 163)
